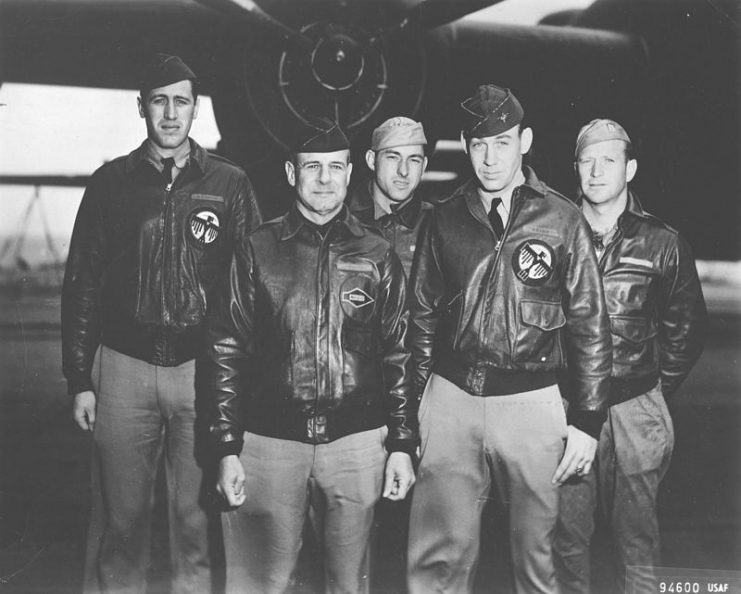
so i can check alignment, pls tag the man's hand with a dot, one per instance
(578, 456)
(83, 410)
(399, 476)
(231, 480)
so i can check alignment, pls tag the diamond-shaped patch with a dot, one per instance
(357, 298)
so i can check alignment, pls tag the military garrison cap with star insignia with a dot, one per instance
(491, 110)
(321, 135)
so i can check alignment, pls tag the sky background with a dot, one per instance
(49, 130)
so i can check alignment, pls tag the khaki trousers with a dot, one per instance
(633, 455)
(341, 481)
(144, 412)
(470, 443)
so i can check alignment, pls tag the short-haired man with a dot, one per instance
(389, 203)
(154, 232)
(658, 319)
(310, 380)
(507, 293)
(388, 200)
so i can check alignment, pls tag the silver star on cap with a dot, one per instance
(503, 117)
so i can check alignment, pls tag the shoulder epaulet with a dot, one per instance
(656, 220)
(372, 230)
(557, 194)
(111, 166)
(222, 159)
(272, 222)
(456, 194)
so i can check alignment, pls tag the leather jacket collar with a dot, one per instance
(293, 222)
(469, 190)
(138, 157)
(633, 208)
(364, 208)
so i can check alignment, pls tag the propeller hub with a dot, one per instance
(337, 62)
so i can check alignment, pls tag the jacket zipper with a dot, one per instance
(165, 230)
(514, 210)
(318, 319)
(609, 248)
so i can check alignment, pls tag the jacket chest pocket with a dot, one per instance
(538, 343)
(633, 343)
(630, 288)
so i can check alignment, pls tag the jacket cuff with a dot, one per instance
(589, 421)
(402, 445)
(228, 448)
(77, 385)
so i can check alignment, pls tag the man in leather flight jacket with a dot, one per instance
(387, 201)
(502, 302)
(658, 319)
(154, 232)
(310, 380)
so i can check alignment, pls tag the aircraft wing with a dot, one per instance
(102, 43)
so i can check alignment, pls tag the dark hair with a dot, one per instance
(194, 86)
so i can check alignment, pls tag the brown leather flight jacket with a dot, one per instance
(654, 298)
(487, 311)
(308, 343)
(145, 256)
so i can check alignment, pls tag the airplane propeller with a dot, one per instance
(327, 61)
(429, 14)
(421, 14)
(252, 13)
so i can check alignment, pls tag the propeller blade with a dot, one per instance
(434, 13)
(428, 14)
(250, 11)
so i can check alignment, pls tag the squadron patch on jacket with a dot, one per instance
(357, 298)
(204, 225)
(533, 262)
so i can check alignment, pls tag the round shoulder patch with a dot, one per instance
(533, 262)
(204, 225)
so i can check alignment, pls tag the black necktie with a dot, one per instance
(167, 165)
(494, 219)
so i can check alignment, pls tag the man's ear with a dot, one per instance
(291, 173)
(464, 143)
(349, 172)
(370, 159)
(630, 170)
(526, 140)
(424, 164)
(195, 109)
(140, 106)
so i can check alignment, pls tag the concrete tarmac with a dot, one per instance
(44, 470)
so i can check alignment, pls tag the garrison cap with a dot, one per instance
(163, 70)
(599, 130)
(398, 131)
(491, 110)
(321, 135)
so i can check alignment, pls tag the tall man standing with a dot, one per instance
(154, 232)
(310, 381)
(507, 292)
(388, 202)
(658, 320)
